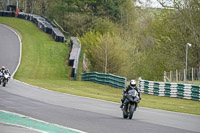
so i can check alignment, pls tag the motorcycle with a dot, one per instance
(4, 79)
(130, 104)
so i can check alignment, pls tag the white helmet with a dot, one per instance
(132, 83)
(3, 67)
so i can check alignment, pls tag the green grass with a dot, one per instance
(98, 91)
(189, 82)
(43, 64)
(42, 58)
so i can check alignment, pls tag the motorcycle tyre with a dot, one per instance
(131, 111)
(125, 115)
(4, 83)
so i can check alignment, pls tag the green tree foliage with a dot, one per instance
(170, 31)
(123, 39)
(75, 16)
(105, 25)
(189, 18)
(105, 52)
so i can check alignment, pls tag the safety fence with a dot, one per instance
(7, 13)
(41, 22)
(75, 45)
(193, 74)
(184, 91)
(106, 79)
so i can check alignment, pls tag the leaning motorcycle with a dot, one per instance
(131, 100)
(4, 79)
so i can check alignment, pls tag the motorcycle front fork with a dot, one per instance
(136, 105)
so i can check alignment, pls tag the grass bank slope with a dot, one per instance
(42, 58)
(43, 64)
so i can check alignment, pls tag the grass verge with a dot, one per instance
(43, 64)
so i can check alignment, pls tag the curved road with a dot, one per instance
(9, 48)
(85, 114)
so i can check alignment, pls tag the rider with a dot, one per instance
(3, 70)
(131, 86)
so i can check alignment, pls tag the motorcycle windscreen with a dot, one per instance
(130, 98)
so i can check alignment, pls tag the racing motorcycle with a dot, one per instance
(4, 79)
(132, 99)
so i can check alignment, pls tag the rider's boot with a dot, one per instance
(121, 106)
(122, 102)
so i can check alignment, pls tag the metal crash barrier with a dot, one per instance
(75, 45)
(183, 91)
(41, 22)
(106, 79)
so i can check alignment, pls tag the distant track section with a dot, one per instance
(9, 48)
(41, 22)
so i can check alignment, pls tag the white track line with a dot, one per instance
(19, 46)
(23, 116)
(28, 84)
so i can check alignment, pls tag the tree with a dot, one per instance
(29, 6)
(105, 25)
(189, 14)
(105, 52)
(170, 31)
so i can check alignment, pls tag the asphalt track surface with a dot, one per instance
(9, 48)
(85, 114)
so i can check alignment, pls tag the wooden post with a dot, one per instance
(192, 74)
(170, 76)
(199, 73)
(176, 75)
(184, 75)
(165, 75)
(166, 79)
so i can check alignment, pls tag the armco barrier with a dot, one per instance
(184, 91)
(107, 79)
(41, 22)
(75, 45)
(6, 13)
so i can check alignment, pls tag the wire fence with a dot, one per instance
(193, 74)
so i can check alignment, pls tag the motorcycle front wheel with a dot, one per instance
(4, 83)
(131, 111)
